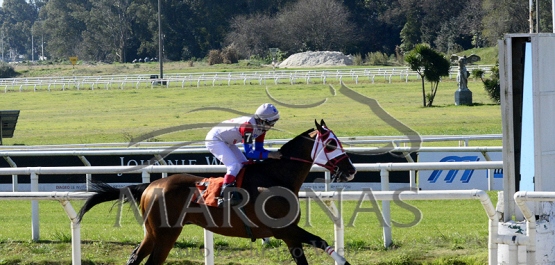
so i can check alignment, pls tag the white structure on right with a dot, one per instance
(527, 79)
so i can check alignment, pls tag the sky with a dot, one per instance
(527, 144)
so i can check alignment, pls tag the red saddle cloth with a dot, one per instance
(210, 189)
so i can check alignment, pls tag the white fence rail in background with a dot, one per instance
(384, 170)
(463, 140)
(212, 78)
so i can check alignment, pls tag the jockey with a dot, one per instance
(250, 130)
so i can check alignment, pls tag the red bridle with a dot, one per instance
(320, 147)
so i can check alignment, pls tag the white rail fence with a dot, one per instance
(397, 141)
(384, 194)
(212, 78)
(160, 153)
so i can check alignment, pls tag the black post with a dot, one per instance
(1, 125)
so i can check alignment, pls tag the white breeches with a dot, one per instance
(230, 155)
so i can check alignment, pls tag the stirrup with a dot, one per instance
(234, 199)
(225, 186)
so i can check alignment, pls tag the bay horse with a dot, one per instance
(270, 205)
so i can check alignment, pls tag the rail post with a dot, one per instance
(208, 247)
(75, 233)
(386, 210)
(35, 231)
(146, 176)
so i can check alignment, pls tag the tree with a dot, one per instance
(507, 16)
(431, 66)
(410, 34)
(63, 27)
(545, 23)
(108, 30)
(376, 31)
(18, 18)
(317, 25)
(252, 35)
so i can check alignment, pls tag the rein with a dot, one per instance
(335, 175)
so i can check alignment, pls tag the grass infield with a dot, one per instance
(118, 115)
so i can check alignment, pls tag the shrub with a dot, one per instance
(214, 57)
(477, 73)
(230, 55)
(7, 71)
(376, 58)
(492, 86)
(357, 59)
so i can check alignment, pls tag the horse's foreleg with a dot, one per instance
(296, 249)
(303, 236)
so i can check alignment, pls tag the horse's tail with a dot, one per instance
(105, 193)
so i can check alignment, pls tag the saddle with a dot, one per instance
(209, 189)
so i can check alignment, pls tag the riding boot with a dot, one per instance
(229, 182)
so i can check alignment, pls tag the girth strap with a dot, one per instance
(248, 228)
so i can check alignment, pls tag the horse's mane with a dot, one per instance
(292, 147)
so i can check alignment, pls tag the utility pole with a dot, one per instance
(160, 42)
(42, 46)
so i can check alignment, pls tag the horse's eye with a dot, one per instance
(331, 145)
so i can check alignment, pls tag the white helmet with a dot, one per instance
(267, 112)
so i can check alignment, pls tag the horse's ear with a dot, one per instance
(318, 126)
(323, 123)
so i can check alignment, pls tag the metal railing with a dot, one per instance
(388, 75)
(385, 194)
(353, 141)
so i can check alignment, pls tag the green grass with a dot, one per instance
(98, 116)
(448, 232)
(487, 55)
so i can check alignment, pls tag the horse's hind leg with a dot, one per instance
(165, 239)
(141, 251)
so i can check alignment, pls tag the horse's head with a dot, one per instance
(329, 153)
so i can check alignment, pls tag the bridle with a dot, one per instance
(327, 152)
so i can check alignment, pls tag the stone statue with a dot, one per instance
(463, 95)
(462, 76)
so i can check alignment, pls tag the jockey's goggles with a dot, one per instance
(270, 123)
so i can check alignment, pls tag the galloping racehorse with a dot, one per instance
(269, 206)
